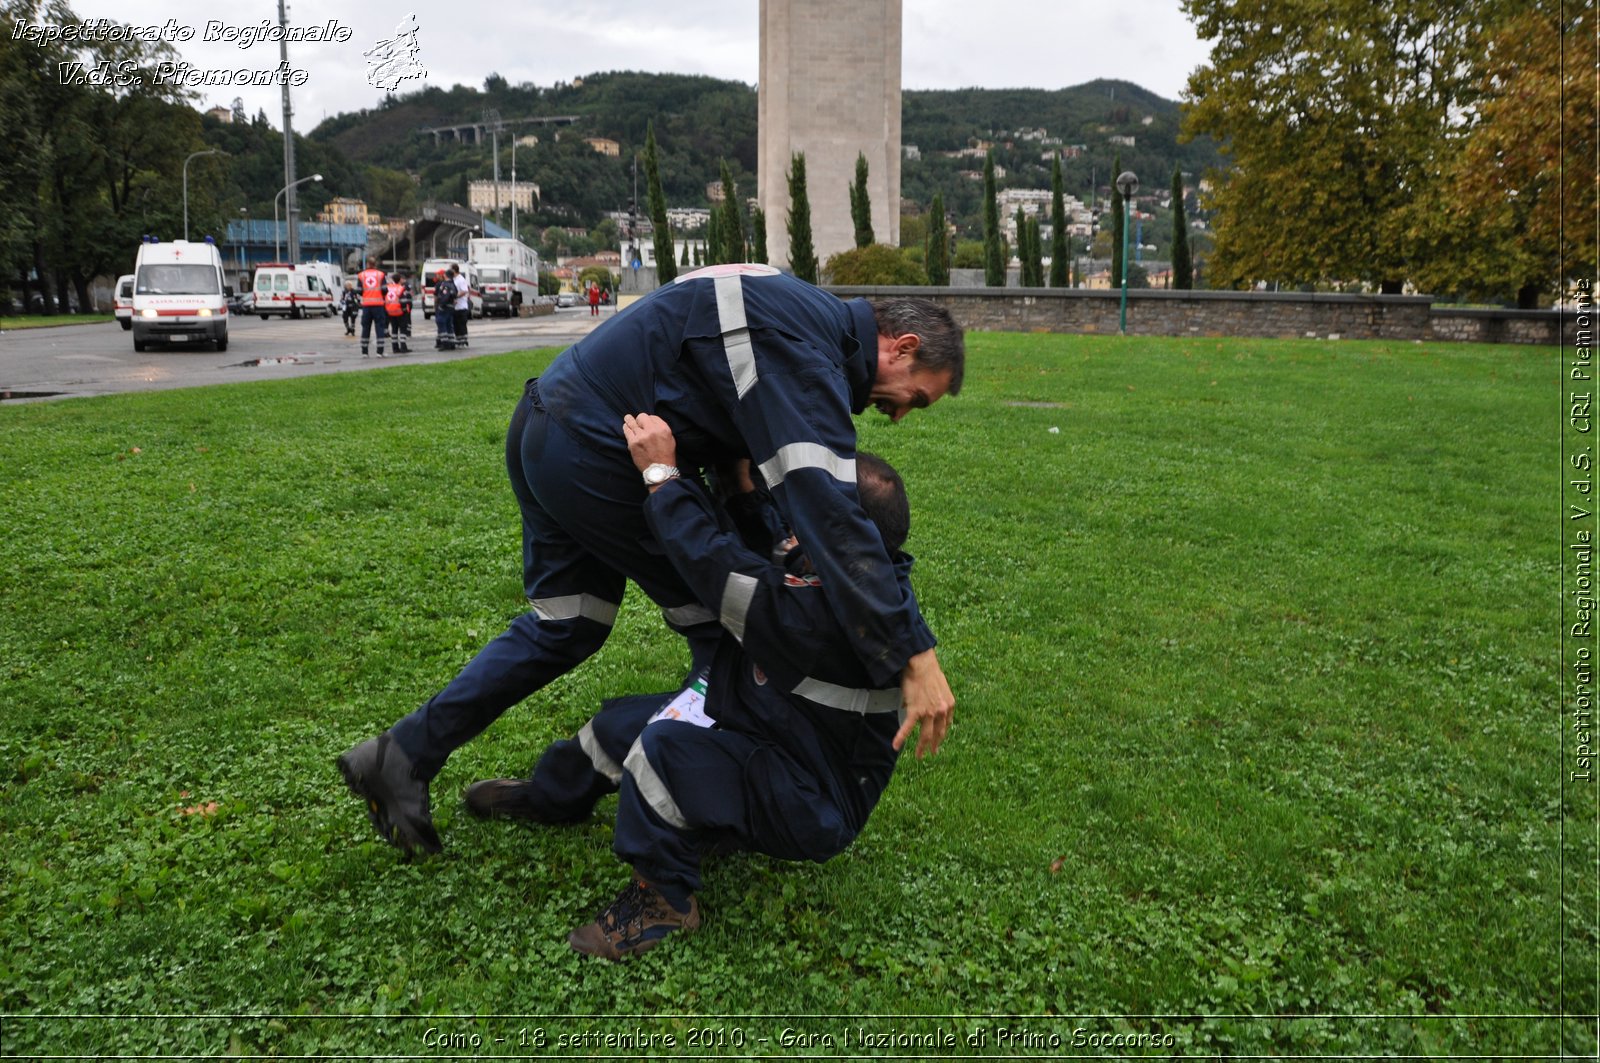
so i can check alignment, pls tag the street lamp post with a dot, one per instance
(514, 186)
(1127, 184)
(196, 155)
(244, 237)
(276, 245)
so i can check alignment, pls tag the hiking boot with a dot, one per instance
(378, 772)
(507, 799)
(635, 922)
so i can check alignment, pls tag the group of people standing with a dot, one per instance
(452, 307)
(383, 303)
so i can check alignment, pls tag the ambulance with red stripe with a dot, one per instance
(508, 270)
(296, 291)
(177, 294)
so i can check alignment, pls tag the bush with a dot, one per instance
(874, 264)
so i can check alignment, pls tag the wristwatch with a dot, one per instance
(657, 474)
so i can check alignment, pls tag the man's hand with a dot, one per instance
(650, 440)
(928, 702)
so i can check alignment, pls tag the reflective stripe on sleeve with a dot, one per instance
(736, 596)
(735, 333)
(572, 606)
(597, 756)
(682, 616)
(848, 699)
(807, 456)
(651, 788)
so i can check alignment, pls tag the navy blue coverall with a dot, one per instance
(802, 747)
(744, 362)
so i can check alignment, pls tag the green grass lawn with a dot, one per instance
(1256, 729)
(50, 320)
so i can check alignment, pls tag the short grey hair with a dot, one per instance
(943, 348)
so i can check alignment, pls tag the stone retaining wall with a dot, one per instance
(1283, 315)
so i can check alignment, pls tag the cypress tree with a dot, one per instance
(758, 235)
(685, 261)
(1060, 251)
(1035, 252)
(1182, 260)
(937, 255)
(714, 238)
(860, 204)
(1117, 222)
(666, 267)
(802, 254)
(732, 219)
(994, 264)
(1024, 253)
(700, 253)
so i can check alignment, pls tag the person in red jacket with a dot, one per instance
(594, 299)
(371, 283)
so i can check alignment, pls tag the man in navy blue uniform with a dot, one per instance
(742, 362)
(781, 746)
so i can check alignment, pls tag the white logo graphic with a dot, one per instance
(394, 61)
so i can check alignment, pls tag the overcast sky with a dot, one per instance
(946, 44)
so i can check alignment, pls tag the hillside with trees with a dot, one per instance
(701, 122)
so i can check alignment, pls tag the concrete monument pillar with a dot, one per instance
(830, 87)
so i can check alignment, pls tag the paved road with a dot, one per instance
(76, 360)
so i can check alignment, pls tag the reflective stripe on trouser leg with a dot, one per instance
(723, 786)
(598, 757)
(574, 773)
(651, 788)
(572, 606)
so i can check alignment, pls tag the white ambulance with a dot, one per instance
(177, 294)
(296, 291)
(508, 270)
(122, 302)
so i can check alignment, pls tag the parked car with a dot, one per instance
(241, 302)
(567, 299)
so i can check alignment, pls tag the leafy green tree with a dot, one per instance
(802, 253)
(994, 263)
(874, 264)
(666, 267)
(913, 230)
(1526, 163)
(937, 255)
(1334, 126)
(1060, 252)
(1182, 261)
(971, 254)
(732, 226)
(860, 204)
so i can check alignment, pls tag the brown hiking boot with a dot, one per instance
(635, 922)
